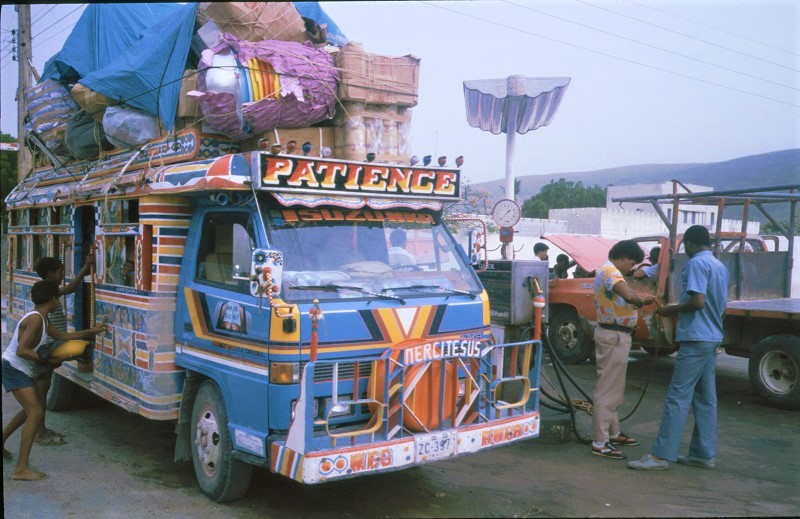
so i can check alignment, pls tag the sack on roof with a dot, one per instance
(49, 110)
(85, 136)
(127, 128)
(93, 102)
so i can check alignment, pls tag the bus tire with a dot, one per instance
(774, 368)
(62, 394)
(566, 336)
(219, 475)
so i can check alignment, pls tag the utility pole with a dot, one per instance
(24, 56)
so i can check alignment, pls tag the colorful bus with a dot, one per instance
(313, 316)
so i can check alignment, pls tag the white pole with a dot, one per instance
(516, 86)
(510, 164)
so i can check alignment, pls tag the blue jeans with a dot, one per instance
(693, 383)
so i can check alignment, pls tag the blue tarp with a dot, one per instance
(135, 53)
(314, 11)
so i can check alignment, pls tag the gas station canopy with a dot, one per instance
(533, 103)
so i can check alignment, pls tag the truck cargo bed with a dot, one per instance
(785, 308)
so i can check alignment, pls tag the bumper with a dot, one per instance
(345, 462)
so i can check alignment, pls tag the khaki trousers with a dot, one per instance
(612, 348)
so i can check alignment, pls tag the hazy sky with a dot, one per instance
(628, 103)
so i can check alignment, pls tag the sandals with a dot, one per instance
(608, 451)
(624, 439)
(49, 439)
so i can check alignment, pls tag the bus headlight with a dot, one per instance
(316, 407)
(339, 409)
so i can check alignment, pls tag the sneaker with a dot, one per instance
(648, 462)
(608, 451)
(624, 439)
(694, 461)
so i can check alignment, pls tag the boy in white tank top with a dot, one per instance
(52, 269)
(19, 369)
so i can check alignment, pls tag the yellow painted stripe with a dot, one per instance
(419, 328)
(164, 200)
(486, 314)
(170, 250)
(168, 223)
(202, 332)
(391, 324)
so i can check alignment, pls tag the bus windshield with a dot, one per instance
(333, 253)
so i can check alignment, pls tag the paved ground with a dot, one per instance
(119, 465)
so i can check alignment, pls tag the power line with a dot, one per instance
(687, 35)
(715, 28)
(55, 34)
(652, 46)
(58, 21)
(43, 14)
(607, 55)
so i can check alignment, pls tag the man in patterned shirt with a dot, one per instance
(52, 269)
(616, 304)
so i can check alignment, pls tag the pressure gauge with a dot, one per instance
(506, 213)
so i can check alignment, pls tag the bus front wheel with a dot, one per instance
(219, 475)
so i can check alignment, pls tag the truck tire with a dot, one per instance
(62, 395)
(219, 475)
(774, 368)
(566, 336)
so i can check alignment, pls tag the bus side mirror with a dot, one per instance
(267, 272)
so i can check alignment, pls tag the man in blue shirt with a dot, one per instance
(704, 283)
(650, 270)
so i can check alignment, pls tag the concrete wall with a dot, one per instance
(628, 224)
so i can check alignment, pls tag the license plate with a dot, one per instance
(435, 446)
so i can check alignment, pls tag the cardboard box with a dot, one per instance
(374, 79)
(188, 107)
(206, 37)
(255, 21)
(318, 137)
(380, 129)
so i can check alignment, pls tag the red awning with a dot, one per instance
(589, 252)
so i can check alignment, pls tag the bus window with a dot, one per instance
(39, 247)
(120, 260)
(19, 253)
(228, 242)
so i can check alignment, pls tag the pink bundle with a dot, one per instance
(308, 81)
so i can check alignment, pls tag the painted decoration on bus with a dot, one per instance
(290, 216)
(232, 316)
(439, 350)
(302, 174)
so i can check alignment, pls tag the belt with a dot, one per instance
(616, 328)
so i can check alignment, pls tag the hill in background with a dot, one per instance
(767, 169)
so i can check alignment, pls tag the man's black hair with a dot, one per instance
(43, 292)
(698, 235)
(562, 258)
(539, 247)
(626, 249)
(654, 253)
(398, 238)
(47, 265)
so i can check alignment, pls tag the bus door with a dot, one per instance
(84, 225)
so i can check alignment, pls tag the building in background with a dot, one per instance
(627, 220)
